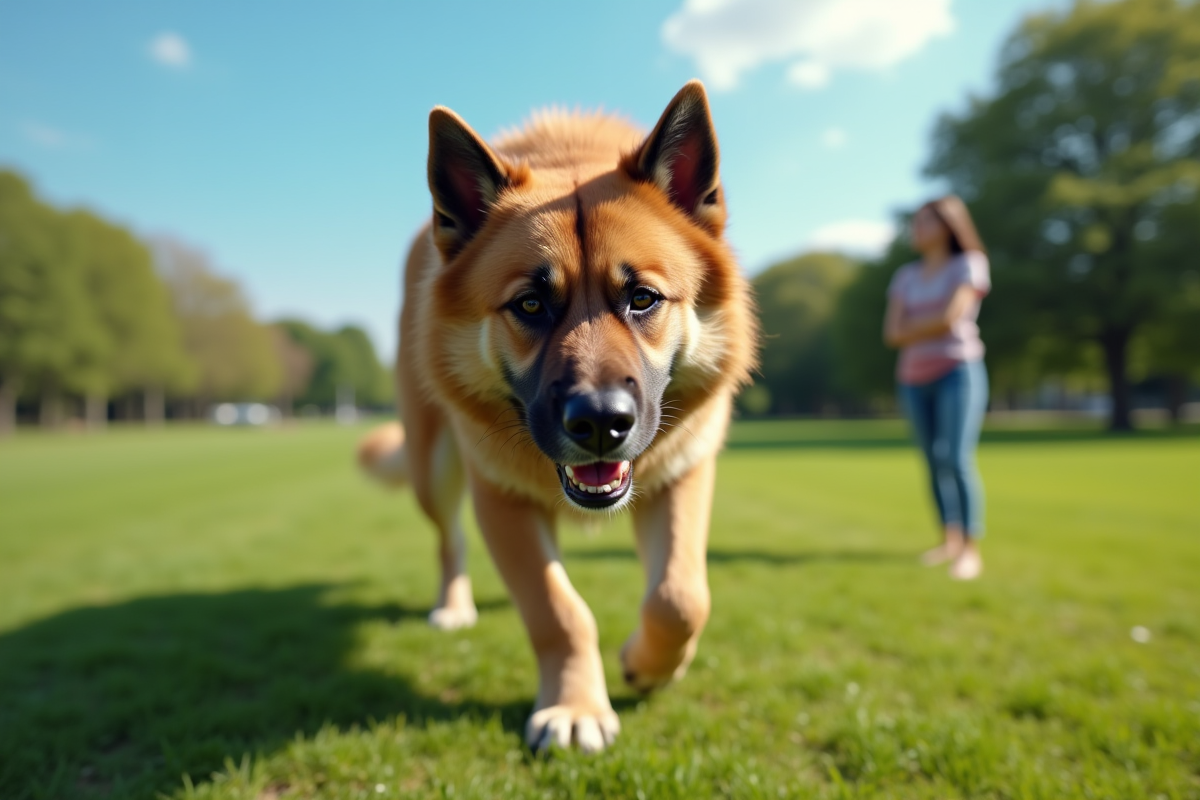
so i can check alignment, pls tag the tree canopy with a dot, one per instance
(88, 310)
(343, 358)
(864, 367)
(132, 306)
(51, 338)
(796, 301)
(234, 354)
(1082, 171)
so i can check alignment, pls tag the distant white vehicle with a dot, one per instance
(255, 414)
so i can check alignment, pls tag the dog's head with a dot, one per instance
(578, 292)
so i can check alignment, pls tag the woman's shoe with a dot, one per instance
(968, 566)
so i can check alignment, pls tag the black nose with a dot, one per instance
(599, 421)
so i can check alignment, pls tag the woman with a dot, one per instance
(932, 307)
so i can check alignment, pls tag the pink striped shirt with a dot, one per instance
(926, 361)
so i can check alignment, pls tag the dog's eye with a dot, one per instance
(530, 306)
(643, 300)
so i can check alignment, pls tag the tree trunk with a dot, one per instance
(153, 406)
(1115, 344)
(96, 411)
(50, 414)
(1176, 396)
(8, 407)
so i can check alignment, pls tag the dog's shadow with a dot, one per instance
(124, 699)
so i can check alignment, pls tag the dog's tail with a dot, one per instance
(381, 454)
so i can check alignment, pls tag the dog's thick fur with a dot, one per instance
(576, 258)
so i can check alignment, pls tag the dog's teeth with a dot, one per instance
(593, 489)
(615, 483)
(606, 488)
(624, 468)
(570, 472)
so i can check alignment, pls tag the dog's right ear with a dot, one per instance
(465, 178)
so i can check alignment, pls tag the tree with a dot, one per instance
(132, 304)
(372, 383)
(796, 301)
(1073, 169)
(51, 340)
(234, 354)
(344, 358)
(864, 366)
(297, 365)
(1170, 342)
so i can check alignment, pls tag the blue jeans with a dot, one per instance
(946, 416)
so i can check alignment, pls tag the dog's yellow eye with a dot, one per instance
(531, 306)
(642, 300)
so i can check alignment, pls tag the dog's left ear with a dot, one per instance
(680, 157)
(465, 179)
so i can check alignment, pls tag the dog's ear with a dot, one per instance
(680, 157)
(465, 178)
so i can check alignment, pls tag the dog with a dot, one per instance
(574, 330)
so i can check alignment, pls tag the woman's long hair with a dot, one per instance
(953, 213)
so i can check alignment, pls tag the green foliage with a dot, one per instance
(1075, 170)
(133, 307)
(242, 608)
(234, 354)
(796, 302)
(83, 311)
(51, 338)
(864, 366)
(342, 358)
(1170, 341)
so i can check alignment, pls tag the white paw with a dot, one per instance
(560, 726)
(451, 618)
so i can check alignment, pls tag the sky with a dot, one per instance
(287, 140)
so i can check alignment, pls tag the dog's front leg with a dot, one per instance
(572, 702)
(672, 538)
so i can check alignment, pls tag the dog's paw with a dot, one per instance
(589, 729)
(647, 668)
(452, 618)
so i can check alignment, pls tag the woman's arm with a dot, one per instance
(899, 332)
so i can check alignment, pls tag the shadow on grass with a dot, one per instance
(121, 701)
(717, 556)
(803, 439)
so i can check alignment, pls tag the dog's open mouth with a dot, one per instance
(601, 484)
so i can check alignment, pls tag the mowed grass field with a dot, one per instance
(238, 614)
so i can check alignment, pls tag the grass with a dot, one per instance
(197, 613)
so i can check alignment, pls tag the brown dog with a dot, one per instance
(573, 332)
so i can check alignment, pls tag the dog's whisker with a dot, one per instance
(500, 430)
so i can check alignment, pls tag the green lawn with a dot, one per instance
(238, 614)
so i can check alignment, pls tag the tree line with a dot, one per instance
(1082, 171)
(95, 322)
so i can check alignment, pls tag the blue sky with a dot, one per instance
(288, 140)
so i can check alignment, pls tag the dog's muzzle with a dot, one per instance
(598, 423)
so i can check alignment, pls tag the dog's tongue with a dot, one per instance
(599, 473)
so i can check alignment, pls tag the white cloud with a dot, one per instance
(170, 50)
(818, 37)
(809, 74)
(858, 237)
(834, 138)
(52, 138)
